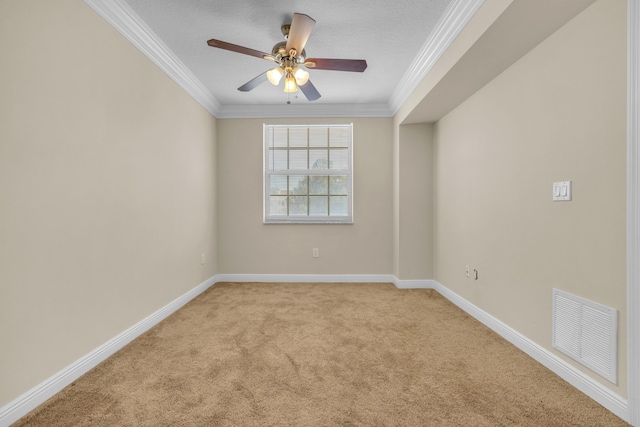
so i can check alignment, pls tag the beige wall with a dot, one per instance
(107, 189)
(247, 246)
(557, 114)
(413, 219)
(113, 181)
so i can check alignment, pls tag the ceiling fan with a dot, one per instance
(291, 58)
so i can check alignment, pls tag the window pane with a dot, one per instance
(298, 184)
(278, 205)
(297, 205)
(338, 205)
(318, 159)
(308, 173)
(338, 185)
(318, 136)
(318, 184)
(318, 205)
(297, 137)
(298, 159)
(277, 160)
(339, 137)
(278, 185)
(279, 137)
(338, 159)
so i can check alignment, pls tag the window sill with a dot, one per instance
(329, 221)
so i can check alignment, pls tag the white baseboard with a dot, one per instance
(413, 284)
(33, 398)
(39, 394)
(592, 388)
(307, 278)
(327, 278)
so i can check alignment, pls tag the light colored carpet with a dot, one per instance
(255, 354)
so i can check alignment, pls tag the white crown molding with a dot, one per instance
(454, 19)
(633, 209)
(121, 17)
(33, 398)
(592, 388)
(303, 110)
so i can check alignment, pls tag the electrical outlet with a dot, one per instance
(202, 259)
(466, 270)
(316, 253)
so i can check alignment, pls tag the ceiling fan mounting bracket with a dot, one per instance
(285, 30)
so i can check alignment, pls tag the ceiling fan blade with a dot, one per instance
(253, 83)
(299, 33)
(356, 65)
(310, 91)
(240, 49)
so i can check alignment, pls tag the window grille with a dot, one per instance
(308, 174)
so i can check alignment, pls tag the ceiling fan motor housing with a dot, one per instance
(279, 51)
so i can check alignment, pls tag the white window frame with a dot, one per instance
(268, 171)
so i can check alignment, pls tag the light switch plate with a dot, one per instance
(562, 191)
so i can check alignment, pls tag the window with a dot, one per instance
(308, 174)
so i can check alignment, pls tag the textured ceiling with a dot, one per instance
(388, 35)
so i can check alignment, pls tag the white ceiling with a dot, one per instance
(387, 34)
(400, 40)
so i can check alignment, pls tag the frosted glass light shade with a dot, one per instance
(275, 75)
(301, 76)
(290, 83)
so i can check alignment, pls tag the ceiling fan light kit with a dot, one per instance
(290, 57)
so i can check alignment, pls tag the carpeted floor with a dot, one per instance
(255, 354)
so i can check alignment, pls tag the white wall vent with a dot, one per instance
(587, 332)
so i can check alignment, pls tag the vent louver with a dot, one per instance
(587, 332)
